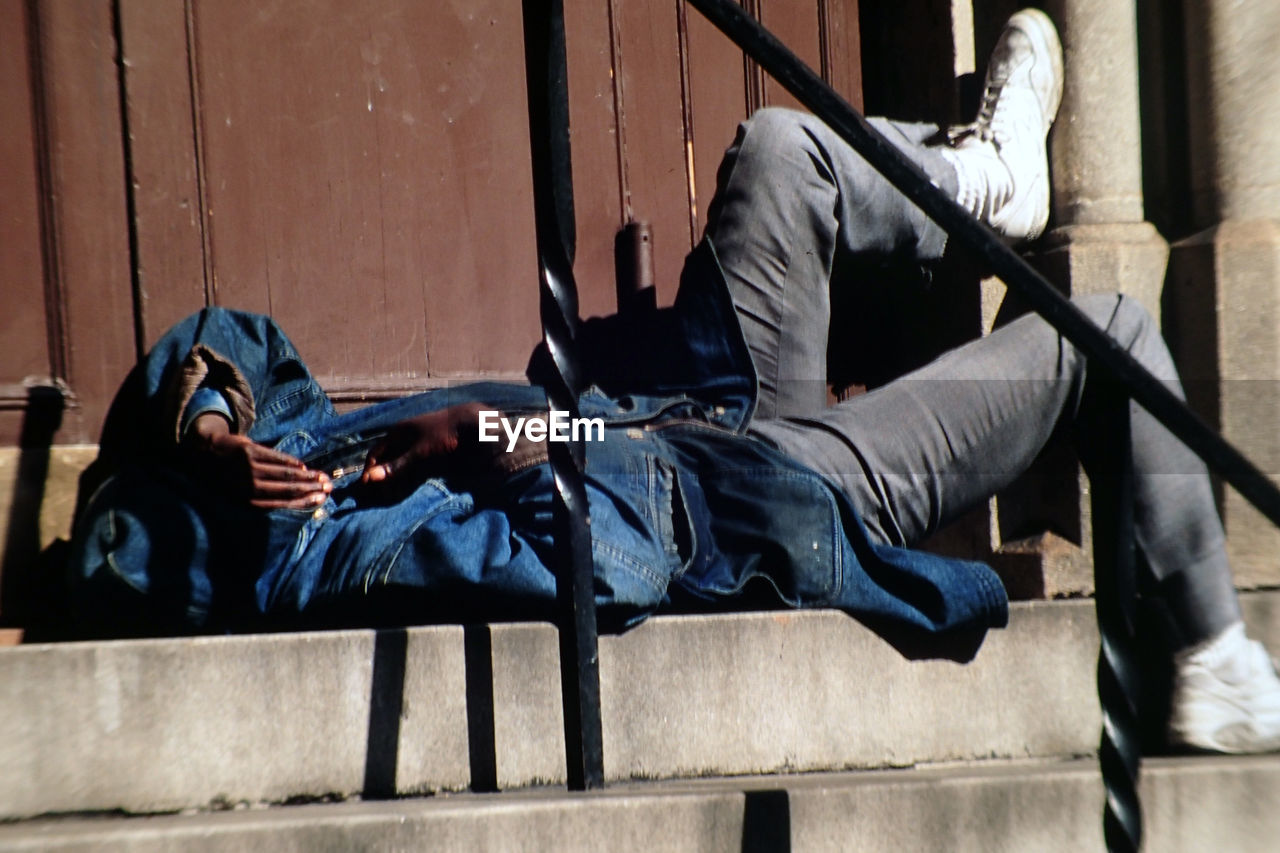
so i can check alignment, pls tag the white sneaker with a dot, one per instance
(1001, 161)
(1226, 696)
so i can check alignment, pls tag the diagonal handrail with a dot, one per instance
(1148, 391)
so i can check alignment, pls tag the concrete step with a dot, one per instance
(163, 725)
(1000, 806)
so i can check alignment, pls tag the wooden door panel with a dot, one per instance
(595, 143)
(798, 26)
(89, 286)
(22, 320)
(653, 132)
(368, 181)
(169, 227)
(719, 100)
(843, 45)
(359, 168)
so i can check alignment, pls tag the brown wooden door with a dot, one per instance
(356, 168)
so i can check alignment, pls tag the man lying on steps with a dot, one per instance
(237, 498)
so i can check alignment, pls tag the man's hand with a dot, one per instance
(250, 471)
(434, 443)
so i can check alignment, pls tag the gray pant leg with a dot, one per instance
(925, 448)
(790, 196)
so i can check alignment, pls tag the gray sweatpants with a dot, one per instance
(792, 198)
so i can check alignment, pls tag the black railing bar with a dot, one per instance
(546, 79)
(1119, 674)
(1150, 392)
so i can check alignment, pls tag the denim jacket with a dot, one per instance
(684, 506)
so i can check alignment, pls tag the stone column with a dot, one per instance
(1225, 279)
(1099, 240)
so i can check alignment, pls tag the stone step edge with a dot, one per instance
(1020, 800)
(154, 726)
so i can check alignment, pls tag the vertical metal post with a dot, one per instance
(1111, 487)
(546, 78)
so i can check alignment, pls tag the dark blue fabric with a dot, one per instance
(680, 499)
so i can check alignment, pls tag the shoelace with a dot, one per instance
(982, 125)
(999, 116)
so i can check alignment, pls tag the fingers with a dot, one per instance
(286, 474)
(376, 467)
(265, 477)
(280, 480)
(315, 484)
(412, 444)
(284, 487)
(290, 493)
(376, 471)
(290, 486)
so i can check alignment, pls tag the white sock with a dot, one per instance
(983, 182)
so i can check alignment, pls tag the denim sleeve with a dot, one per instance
(205, 401)
(245, 356)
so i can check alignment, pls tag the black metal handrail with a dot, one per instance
(546, 77)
